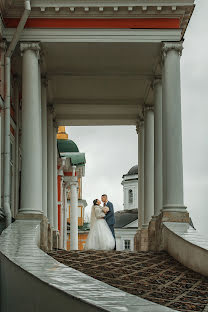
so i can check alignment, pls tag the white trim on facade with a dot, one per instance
(122, 235)
(96, 35)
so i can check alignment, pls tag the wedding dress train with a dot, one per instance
(100, 236)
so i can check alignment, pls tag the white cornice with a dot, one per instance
(97, 35)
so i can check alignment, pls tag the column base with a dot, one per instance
(141, 241)
(29, 216)
(30, 211)
(174, 216)
(50, 237)
(43, 227)
(151, 238)
(175, 208)
(55, 239)
(152, 233)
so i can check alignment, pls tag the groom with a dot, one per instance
(109, 218)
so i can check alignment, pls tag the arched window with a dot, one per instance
(130, 196)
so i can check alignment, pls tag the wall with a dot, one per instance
(32, 281)
(82, 237)
(130, 183)
(187, 246)
(124, 234)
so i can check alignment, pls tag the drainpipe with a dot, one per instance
(12, 46)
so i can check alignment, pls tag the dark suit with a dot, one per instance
(110, 219)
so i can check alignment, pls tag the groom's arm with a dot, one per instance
(110, 212)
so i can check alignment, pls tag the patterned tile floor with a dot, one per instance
(153, 276)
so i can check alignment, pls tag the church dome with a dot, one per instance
(133, 170)
(67, 146)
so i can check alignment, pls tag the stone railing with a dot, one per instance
(30, 280)
(187, 246)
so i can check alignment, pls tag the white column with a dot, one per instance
(55, 199)
(50, 165)
(65, 217)
(1, 208)
(16, 92)
(44, 141)
(172, 133)
(74, 212)
(31, 190)
(158, 201)
(148, 165)
(140, 131)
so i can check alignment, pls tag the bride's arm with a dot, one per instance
(99, 213)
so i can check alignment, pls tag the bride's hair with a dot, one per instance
(95, 201)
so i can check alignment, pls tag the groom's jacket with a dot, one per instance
(110, 219)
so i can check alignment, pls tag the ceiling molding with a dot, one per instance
(103, 101)
(103, 75)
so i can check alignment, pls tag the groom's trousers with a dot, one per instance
(112, 229)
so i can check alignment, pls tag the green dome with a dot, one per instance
(67, 146)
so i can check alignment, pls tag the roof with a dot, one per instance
(132, 171)
(124, 217)
(67, 146)
(76, 159)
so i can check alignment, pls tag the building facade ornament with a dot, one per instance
(148, 108)
(34, 46)
(140, 125)
(169, 46)
(156, 81)
(44, 81)
(3, 45)
(55, 125)
(51, 108)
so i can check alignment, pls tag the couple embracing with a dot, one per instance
(101, 235)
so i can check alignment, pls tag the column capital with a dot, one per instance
(73, 181)
(169, 46)
(156, 81)
(44, 81)
(3, 45)
(50, 108)
(34, 46)
(55, 125)
(148, 108)
(139, 125)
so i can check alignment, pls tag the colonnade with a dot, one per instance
(39, 148)
(159, 136)
(160, 143)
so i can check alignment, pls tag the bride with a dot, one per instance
(100, 236)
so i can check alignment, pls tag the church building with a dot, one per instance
(68, 150)
(126, 224)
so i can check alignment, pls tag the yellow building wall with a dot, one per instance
(82, 237)
(80, 219)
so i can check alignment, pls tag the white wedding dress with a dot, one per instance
(100, 236)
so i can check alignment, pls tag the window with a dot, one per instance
(130, 196)
(127, 244)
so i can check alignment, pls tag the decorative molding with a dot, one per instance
(34, 46)
(169, 46)
(44, 81)
(148, 108)
(55, 125)
(140, 125)
(50, 108)
(3, 46)
(97, 35)
(156, 81)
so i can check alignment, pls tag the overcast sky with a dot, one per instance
(112, 151)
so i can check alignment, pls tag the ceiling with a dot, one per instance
(100, 83)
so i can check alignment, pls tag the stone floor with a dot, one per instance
(153, 276)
